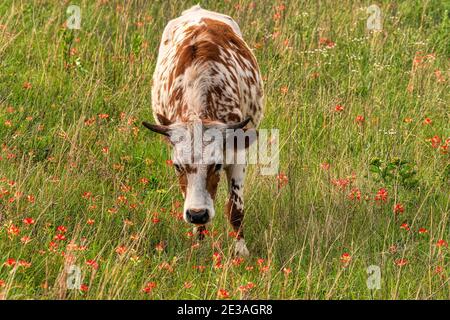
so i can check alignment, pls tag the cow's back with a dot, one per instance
(205, 70)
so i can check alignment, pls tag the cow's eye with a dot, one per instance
(178, 168)
(217, 167)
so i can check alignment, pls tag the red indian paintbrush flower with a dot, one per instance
(359, 119)
(28, 221)
(441, 243)
(401, 262)
(398, 208)
(223, 294)
(382, 195)
(149, 287)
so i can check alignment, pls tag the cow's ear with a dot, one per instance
(163, 120)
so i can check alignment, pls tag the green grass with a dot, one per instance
(52, 141)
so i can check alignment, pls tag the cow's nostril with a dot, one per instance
(197, 216)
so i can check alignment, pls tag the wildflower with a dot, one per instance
(27, 85)
(441, 243)
(287, 271)
(339, 108)
(435, 142)
(52, 246)
(359, 119)
(217, 257)
(84, 287)
(427, 121)
(223, 294)
(13, 230)
(355, 194)
(341, 183)
(86, 195)
(127, 222)
(233, 234)
(246, 287)
(25, 239)
(60, 237)
(90, 222)
(155, 219)
(393, 249)
(282, 180)
(237, 261)
(284, 89)
(2, 283)
(408, 120)
(169, 163)
(92, 263)
(405, 227)
(276, 16)
(61, 229)
(112, 210)
(382, 195)
(398, 208)
(24, 264)
(10, 262)
(149, 287)
(423, 231)
(165, 266)
(326, 42)
(265, 269)
(187, 285)
(346, 258)
(195, 245)
(401, 262)
(159, 247)
(121, 199)
(325, 166)
(28, 221)
(121, 250)
(438, 269)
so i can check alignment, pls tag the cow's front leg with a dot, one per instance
(200, 232)
(235, 205)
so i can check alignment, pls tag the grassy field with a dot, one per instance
(364, 175)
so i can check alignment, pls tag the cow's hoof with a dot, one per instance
(240, 248)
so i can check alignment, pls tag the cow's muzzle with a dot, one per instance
(197, 216)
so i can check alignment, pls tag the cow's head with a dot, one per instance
(198, 158)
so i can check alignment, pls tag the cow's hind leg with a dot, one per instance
(235, 205)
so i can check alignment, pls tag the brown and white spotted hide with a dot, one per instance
(206, 75)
